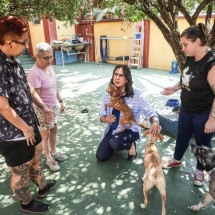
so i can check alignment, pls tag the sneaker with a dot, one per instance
(42, 193)
(53, 165)
(59, 157)
(199, 178)
(172, 163)
(35, 207)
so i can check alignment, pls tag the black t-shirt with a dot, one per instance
(196, 93)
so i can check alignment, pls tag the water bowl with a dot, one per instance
(172, 103)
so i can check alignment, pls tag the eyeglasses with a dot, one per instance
(48, 58)
(24, 43)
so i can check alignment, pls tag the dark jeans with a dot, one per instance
(190, 124)
(117, 142)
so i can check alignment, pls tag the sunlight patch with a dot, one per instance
(92, 86)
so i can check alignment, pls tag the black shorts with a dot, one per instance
(18, 152)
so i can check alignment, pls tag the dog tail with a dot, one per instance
(158, 170)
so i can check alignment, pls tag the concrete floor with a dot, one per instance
(88, 187)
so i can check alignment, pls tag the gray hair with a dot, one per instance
(42, 47)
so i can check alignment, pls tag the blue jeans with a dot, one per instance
(191, 124)
(117, 142)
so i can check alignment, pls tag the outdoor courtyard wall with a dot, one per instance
(114, 29)
(160, 53)
(36, 34)
(64, 30)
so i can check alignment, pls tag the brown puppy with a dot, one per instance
(153, 175)
(118, 103)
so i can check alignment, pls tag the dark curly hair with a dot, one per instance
(127, 73)
(11, 26)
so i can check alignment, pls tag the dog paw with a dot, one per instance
(143, 206)
(194, 208)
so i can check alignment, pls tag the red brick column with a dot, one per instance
(50, 30)
(86, 30)
(146, 43)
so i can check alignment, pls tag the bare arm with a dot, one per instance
(170, 90)
(48, 113)
(8, 113)
(155, 127)
(60, 99)
(35, 93)
(210, 124)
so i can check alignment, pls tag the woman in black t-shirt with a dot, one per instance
(197, 84)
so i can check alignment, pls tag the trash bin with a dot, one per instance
(174, 68)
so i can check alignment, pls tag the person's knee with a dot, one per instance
(113, 144)
(101, 156)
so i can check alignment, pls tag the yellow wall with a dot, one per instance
(64, 30)
(37, 34)
(160, 53)
(118, 29)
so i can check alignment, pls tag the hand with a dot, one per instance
(62, 107)
(155, 128)
(48, 114)
(210, 125)
(110, 118)
(29, 135)
(168, 91)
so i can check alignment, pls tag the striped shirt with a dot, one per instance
(138, 105)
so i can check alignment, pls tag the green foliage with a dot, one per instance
(64, 10)
(165, 13)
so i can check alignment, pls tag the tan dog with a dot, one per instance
(118, 103)
(153, 175)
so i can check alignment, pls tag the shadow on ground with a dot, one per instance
(88, 187)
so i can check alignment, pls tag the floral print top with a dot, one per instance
(14, 86)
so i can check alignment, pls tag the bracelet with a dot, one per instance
(61, 101)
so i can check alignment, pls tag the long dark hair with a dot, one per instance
(197, 31)
(11, 26)
(127, 73)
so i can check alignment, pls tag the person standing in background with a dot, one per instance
(20, 139)
(197, 84)
(42, 78)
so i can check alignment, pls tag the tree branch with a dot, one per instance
(201, 6)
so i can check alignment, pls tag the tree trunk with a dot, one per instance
(165, 15)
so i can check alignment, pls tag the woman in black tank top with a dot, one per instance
(197, 85)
